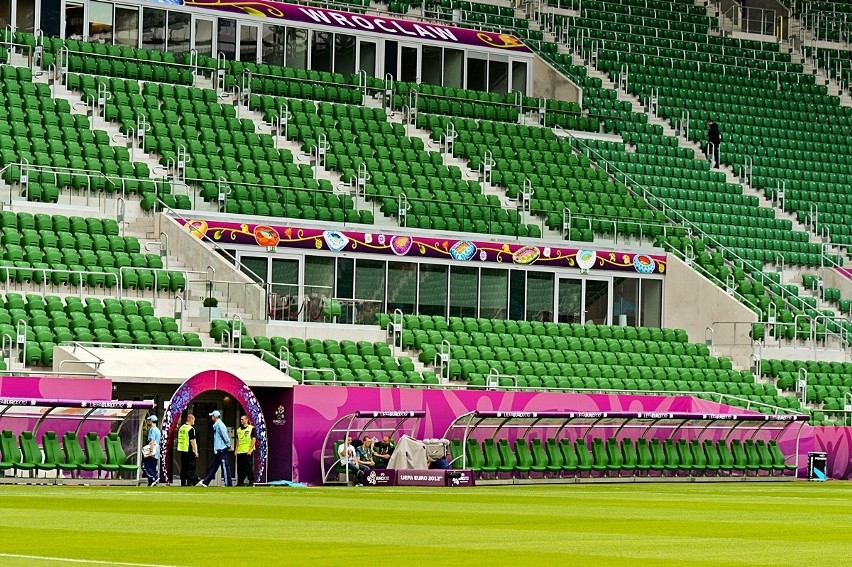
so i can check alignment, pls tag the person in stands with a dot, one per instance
(221, 446)
(246, 444)
(187, 447)
(151, 455)
(714, 140)
(382, 451)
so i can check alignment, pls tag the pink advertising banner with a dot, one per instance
(317, 408)
(836, 442)
(406, 246)
(386, 26)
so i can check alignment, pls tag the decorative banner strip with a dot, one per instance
(402, 29)
(686, 416)
(60, 403)
(270, 237)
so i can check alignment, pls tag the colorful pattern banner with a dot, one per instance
(406, 246)
(401, 29)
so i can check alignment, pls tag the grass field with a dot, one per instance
(650, 524)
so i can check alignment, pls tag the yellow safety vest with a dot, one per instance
(183, 438)
(244, 439)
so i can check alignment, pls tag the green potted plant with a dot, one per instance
(211, 304)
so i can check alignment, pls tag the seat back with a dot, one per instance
(584, 457)
(29, 448)
(658, 457)
(599, 452)
(73, 450)
(699, 459)
(684, 454)
(554, 455)
(643, 453)
(11, 452)
(777, 456)
(539, 455)
(628, 451)
(613, 453)
(507, 456)
(116, 456)
(52, 452)
(569, 455)
(489, 449)
(523, 454)
(726, 458)
(475, 458)
(456, 452)
(740, 458)
(712, 454)
(94, 450)
(672, 459)
(766, 461)
(752, 455)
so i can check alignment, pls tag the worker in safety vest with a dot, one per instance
(246, 443)
(188, 449)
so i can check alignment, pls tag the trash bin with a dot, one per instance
(816, 466)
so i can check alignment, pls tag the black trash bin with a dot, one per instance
(816, 466)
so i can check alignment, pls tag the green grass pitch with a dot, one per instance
(616, 524)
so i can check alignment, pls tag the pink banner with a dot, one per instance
(836, 442)
(406, 246)
(385, 26)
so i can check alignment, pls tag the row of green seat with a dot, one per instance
(102, 454)
(625, 457)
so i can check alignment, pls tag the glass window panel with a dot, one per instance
(402, 287)
(597, 301)
(226, 38)
(345, 286)
(179, 26)
(652, 303)
(5, 13)
(494, 293)
(539, 296)
(319, 275)
(284, 290)
(433, 290)
(367, 61)
(25, 17)
(256, 268)
(204, 37)
(344, 53)
(272, 46)
(100, 21)
(432, 65)
(297, 48)
(391, 52)
(477, 71)
(321, 51)
(408, 64)
(519, 77)
(463, 291)
(498, 76)
(454, 68)
(74, 21)
(248, 43)
(127, 26)
(51, 16)
(570, 301)
(517, 294)
(369, 286)
(153, 28)
(625, 301)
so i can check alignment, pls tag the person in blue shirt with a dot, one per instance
(221, 446)
(151, 462)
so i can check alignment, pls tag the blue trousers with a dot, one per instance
(220, 459)
(149, 469)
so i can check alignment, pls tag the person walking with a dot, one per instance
(221, 446)
(714, 140)
(246, 444)
(187, 446)
(151, 453)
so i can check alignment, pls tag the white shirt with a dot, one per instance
(346, 454)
